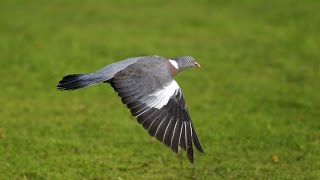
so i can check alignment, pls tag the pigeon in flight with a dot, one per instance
(146, 86)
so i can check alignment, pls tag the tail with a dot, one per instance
(77, 81)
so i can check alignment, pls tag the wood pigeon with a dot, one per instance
(146, 85)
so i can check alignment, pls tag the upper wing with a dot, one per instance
(158, 104)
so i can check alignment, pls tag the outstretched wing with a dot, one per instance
(158, 104)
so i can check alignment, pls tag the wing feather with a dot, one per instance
(159, 106)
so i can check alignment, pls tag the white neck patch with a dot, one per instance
(174, 63)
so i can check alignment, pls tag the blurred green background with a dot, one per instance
(255, 102)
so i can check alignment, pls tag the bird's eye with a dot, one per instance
(189, 61)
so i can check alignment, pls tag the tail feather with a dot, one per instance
(77, 81)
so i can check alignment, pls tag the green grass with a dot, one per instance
(255, 103)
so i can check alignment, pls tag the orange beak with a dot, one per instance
(197, 64)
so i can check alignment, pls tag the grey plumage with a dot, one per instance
(146, 86)
(76, 81)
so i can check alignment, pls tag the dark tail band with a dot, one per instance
(77, 81)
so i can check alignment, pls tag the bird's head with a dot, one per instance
(184, 62)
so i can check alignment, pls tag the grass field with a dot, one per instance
(255, 102)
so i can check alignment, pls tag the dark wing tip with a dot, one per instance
(175, 150)
(189, 147)
(196, 140)
(190, 154)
